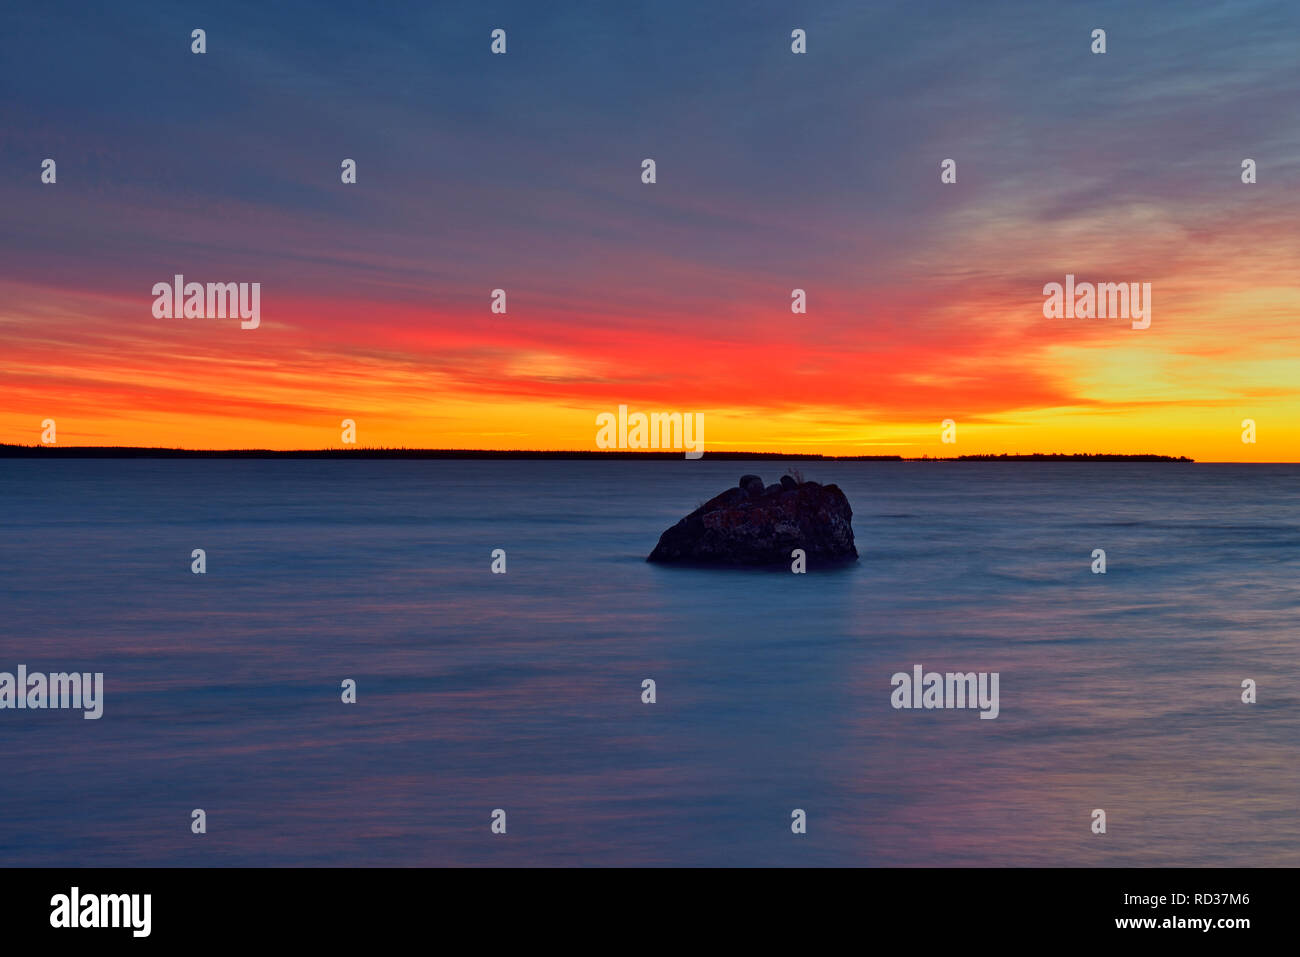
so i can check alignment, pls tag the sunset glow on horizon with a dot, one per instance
(775, 172)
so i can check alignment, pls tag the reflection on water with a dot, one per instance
(523, 691)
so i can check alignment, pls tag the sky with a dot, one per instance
(774, 171)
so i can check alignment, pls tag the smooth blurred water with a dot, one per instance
(523, 691)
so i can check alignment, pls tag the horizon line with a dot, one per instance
(11, 450)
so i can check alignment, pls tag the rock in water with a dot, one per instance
(750, 525)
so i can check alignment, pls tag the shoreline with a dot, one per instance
(140, 452)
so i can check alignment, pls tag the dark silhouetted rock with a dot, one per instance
(750, 525)
(788, 483)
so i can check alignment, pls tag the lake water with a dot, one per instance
(523, 691)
